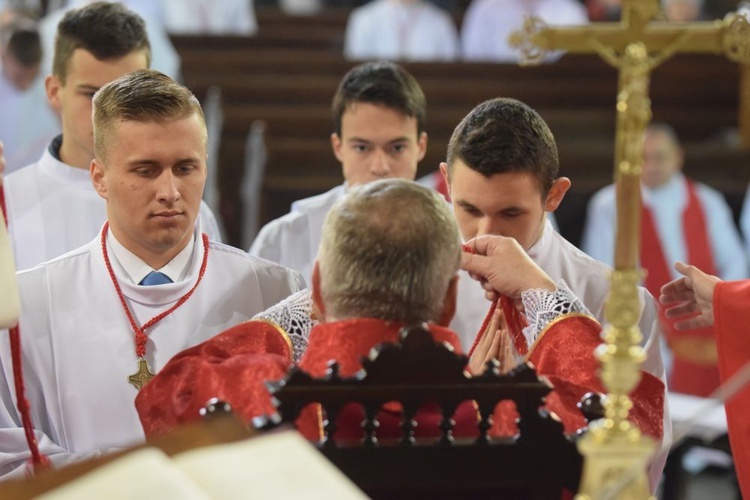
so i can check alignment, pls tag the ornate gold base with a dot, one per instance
(614, 464)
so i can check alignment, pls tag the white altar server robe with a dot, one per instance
(405, 31)
(78, 346)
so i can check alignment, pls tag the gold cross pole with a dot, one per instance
(614, 447)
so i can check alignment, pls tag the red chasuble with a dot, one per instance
(348, 342)
(732, 326)
(564, 354)
(234, 365)
(231, 366)
(694, 368)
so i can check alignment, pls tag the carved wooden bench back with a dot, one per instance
(537, 463)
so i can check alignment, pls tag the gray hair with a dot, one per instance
(389, 250)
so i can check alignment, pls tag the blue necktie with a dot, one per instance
(155, 278)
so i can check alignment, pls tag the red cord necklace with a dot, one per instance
(144, 373)
(38, 459)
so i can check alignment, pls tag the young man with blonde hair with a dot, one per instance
(97, 322)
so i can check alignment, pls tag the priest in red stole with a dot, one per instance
(681, 220)
(389, 255)
(698, 300)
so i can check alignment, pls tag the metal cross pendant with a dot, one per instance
(142, 376)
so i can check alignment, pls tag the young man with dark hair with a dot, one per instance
(502, 173)
(27, 123)
(21, 52)
(379, 114)
(99, 321)
(52, 206)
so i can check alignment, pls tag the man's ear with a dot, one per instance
(336, 146)
(318, 307)
(422, 145)
(53, 88)
(96, 172)
(444, 171)
(556, 194)
(449, 302)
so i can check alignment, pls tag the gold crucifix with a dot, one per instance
(142, 376)
(614, 447)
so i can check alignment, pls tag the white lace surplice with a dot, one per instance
(541, 307)
(295, 316)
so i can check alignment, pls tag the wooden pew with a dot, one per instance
(289, 85)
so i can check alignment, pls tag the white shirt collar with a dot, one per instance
(669, 190)
(539, 248)
(135, 269)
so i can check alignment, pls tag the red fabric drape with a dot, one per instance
(732, 326)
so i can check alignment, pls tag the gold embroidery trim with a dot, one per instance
(283, 334)
(550, 325)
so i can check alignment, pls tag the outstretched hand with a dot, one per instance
(691, 298)
(502, 266)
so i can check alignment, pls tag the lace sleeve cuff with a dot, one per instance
(294, 315)
(542, 307)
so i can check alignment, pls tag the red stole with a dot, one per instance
(694, 369)
(348, 342)
(731, 320)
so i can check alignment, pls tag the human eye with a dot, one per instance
(87, 93)
(471, 210)
(184, 169)
(360, 148)
(511, 213)
(144, 171)
(399, 148)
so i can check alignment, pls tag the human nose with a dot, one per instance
(486, 226)
(380, 166)
(167, 190)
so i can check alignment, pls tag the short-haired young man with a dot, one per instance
(103, 318)
(52, 206)
(502, 172)
(379, 117)
(27, 123)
